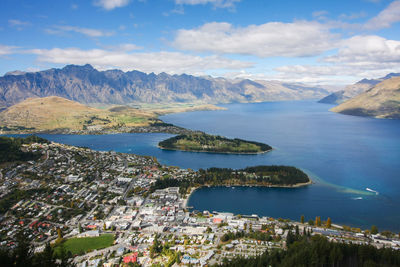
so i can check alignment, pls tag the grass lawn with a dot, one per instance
(84, 244)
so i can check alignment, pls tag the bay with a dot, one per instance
(343, 155)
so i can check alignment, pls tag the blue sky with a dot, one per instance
(316, 42)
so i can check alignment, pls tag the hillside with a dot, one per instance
(87, 85)
(50, 113)
(382, 101)
(353, 90)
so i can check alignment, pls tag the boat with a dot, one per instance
(373, 191)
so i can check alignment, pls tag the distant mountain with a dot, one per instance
(87, 85)
(382, 101)
(355, 89)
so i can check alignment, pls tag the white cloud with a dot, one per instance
(111, 4)
(338, 73)
(358, 57)
(7, 50)
(321, 14)
(215, 3)
(368, 49)
(170, 62)
(385, 18)
(85, 31)
(123, 47)
(352, 16)
(297, 39)
(18, 24)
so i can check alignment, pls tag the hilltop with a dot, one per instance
(87, 85)
(51, 113)
(353, 90)
(382, 101)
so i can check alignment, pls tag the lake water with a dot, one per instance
(344, 155)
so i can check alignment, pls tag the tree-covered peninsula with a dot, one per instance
(272, 176)
(202, 142)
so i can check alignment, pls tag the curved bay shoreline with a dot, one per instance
(193, 189)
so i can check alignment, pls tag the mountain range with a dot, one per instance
(353, 90)
(87, 85)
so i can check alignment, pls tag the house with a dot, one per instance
(131, 258)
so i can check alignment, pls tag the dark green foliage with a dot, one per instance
(12, 198)
(264, 175)
(212, 143)
(10, 148)
(318, 251)
(22, 255)
(261, 236)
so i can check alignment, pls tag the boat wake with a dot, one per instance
(373, 191)
(356, 198)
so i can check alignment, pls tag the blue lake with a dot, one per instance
(344, 155)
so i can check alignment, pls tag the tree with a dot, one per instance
(59, 234)
(374, 230)
(302, 219)
(318, 221)
(46, 258)
(155, 248)
(329, 223)
(23, 253)
(79, 227)
(311, 222)
(104, 226)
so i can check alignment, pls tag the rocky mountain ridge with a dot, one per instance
(87, 85)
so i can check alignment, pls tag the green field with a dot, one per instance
(79, 246)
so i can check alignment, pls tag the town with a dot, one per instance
(104, 209)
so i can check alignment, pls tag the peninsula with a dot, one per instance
(268, 176)
(202, 142)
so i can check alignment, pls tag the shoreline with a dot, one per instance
(192, 189)
(213, 152)
(186, 200)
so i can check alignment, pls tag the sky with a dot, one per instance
(313, 42)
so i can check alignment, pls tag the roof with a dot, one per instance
(131, 258)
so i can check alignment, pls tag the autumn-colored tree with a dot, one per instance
(318, 221)
(302, 219)
(374, 230)
(329, 223)
(104, 226)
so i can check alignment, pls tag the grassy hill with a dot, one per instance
(381, 101)
(50, 113)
